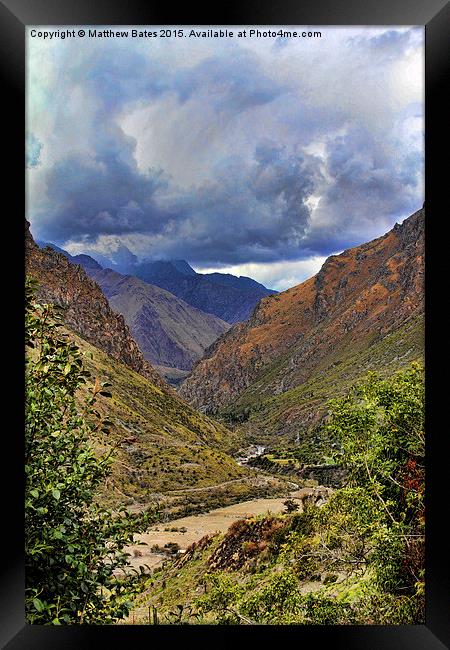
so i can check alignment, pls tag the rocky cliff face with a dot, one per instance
(362, 294)
(169, 331)
(86, 309)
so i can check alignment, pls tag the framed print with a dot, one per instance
(228, 411)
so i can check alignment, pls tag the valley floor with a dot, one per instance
(197, 526)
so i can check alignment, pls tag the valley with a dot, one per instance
(238, 459)
(160, 540)
(266, 381)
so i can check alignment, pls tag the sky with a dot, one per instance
(254, 156)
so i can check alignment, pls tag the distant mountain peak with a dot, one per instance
(170, 332)
(86, 261)
(183, 267)
(230, 298)
(86, 308)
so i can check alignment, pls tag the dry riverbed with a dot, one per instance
(197, 526)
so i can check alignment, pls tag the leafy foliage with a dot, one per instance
(381, 428)
(75, 557)
(357, 559)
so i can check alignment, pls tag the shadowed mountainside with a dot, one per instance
(86, 309)
(230, 298)
(163, 444)
(169, 332)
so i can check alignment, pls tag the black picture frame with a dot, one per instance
(15, 15)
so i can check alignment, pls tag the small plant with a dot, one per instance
(290, 505)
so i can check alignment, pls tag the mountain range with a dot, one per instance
(170, 332)
(267, 379)
(230, 298)
(86, 309)
(169, 308)
(162, 443)
(362, 311)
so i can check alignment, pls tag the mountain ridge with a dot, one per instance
(169, 331)
(228, 297)
(231, 300)
(368, 290)
(86, 309)
(161, 443)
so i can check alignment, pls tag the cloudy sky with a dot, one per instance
(257, 156)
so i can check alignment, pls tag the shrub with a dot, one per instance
(74, 548)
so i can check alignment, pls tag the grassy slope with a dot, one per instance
(298, 411)
(250, 556)
(163, 443)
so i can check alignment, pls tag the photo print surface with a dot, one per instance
(225, 311)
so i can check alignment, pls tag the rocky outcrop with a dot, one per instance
(86, 309)
(361, 294)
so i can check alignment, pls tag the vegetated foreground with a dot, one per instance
(167, 539)
(357, 559)
(353, 557)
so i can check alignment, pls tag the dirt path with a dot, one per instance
(197, 526)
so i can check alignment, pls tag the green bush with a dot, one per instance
(74, 548)
(367, 540)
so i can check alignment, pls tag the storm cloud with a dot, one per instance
(225, 153)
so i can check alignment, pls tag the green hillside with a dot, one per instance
(357, 557)
(293, 416)
(162, 443)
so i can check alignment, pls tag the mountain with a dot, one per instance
(162, 443)
(168, 330)
(86, 309)
(362, 311)
(230, 298)
(183, 267)
(241, 282)
(86, 261)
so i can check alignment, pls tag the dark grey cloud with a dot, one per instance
(387, 45)
(97, 195)
(117, 75)
(392, 40)
(302, 139)
(366, 184)
(253, 212)
(232, 84)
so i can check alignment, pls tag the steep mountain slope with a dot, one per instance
(228, 280)
(230, 298)
(163, 444)
(168, 331)
(350, 308)
(86, 261)
(86, 309)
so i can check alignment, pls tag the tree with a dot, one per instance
(366, 543)
(74, 548)
(380, 425)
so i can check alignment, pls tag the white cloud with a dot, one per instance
(278, 275)
(345, 112)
